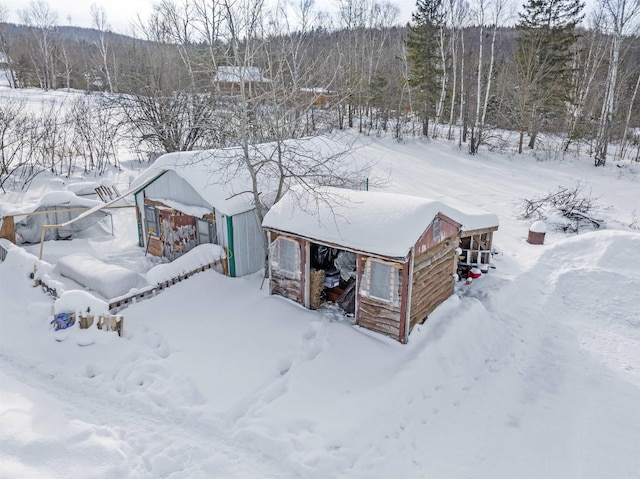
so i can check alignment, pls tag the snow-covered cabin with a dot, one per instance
(389, 259)
(189, 198)
(230, 78)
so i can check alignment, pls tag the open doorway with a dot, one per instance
(333, 277)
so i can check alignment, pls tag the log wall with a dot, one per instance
(432, 279)
(378, 316)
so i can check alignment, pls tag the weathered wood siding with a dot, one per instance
(433, 270)
(377, 316)
(429, 238)
(380, 316)
(285, 285)
(8, 230)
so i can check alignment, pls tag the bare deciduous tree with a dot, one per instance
(621, 15)
(43, 21)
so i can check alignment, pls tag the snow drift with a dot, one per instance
(108, 280)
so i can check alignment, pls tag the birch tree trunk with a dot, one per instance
(99, 21)
(453, 11)
(592, 64)
(476, 135)
(623, 142)
(622, 14)
(443, 88)
(461, 118)
(606, 119)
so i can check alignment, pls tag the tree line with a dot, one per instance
(212, 73)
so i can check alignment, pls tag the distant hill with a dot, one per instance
(78, 34)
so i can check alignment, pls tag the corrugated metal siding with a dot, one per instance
(172, 186)
(248, 246)
(221, 229)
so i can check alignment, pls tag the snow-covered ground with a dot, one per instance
(531, 371)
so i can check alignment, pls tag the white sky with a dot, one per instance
(120, 13)
(76, 12)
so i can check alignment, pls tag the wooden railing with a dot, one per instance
(118, 304)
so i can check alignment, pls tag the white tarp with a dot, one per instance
(56, 208)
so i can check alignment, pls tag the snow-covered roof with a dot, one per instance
(221, 179)
(66, 198)
(318, 90)
(236, 74)
(385, 224)
(48, 200)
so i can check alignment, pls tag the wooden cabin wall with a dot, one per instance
(379, 316)
(428, 240)
(433, 282)
(8, 230)
(291, 288)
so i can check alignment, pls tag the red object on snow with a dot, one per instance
(474, 273)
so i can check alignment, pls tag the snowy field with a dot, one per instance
(531, 371)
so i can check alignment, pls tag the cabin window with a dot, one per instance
(381, 281)
(285, 257)
(437, 229)
(152, 221)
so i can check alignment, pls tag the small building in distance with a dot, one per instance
(230, 79)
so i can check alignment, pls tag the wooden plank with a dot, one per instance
(427, 275)
(427, 304)
(8, 229)
(155, 246)
(381, 328)
(467, 234)
(373, 312)
(404, 301)
(372, 303)
(430, 289)
(426, 266)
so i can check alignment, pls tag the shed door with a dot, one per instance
(152, 220)
(206, 232)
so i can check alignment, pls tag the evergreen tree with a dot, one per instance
(544, 61)
(424, 55)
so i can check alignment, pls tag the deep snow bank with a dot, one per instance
(535, 376)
